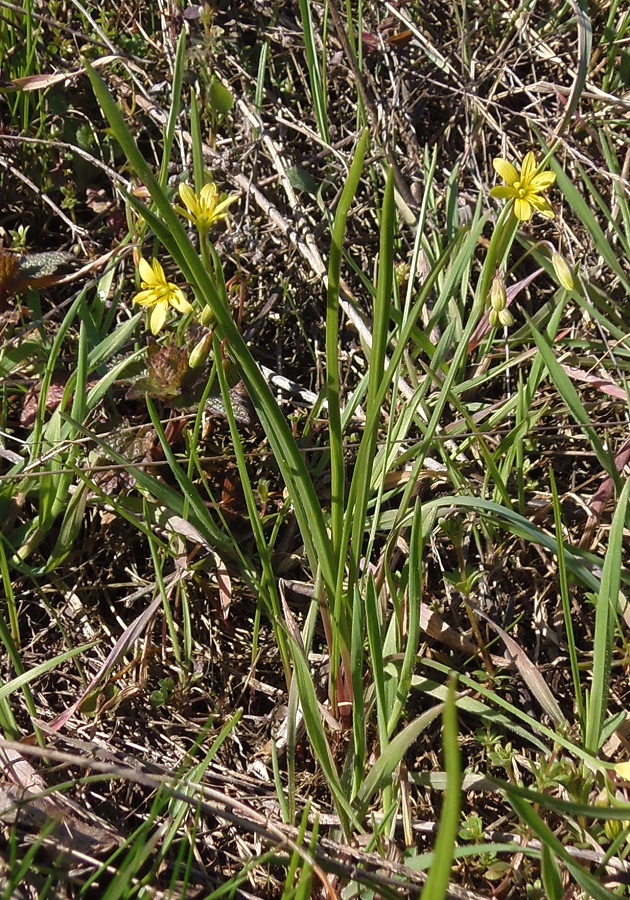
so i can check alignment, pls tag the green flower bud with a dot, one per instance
(498, 294)
(200, 352)
(563, 272)
(207, 317)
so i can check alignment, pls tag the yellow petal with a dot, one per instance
(158, 317)
(188, 195)
(221, 208)
(522, 210)
(158, 273)
(146, 272)
(528, 169)
(623, 770)
(184, 212)
(208, 195)
(178, 301)
(502, 192)
(147, 298)
(505, 170)
(542, 181)
(540, 204)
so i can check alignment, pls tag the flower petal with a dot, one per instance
(158, 317)
(146, 272)
(541, 205)
(147, 298)
(502, 192)
(185, 213)
(528, 169)
(221, 209)
(505, 170)
(208, 195)
(178, 301)
(522, 209)
(188, 195)
(159, 278)
(542, 181)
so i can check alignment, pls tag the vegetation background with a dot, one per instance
(314, 582)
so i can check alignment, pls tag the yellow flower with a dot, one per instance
(205, 208)
(524, 188)
(159, 294)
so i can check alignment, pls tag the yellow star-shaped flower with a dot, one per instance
(206, 207)
(158, 294)
(525, 188)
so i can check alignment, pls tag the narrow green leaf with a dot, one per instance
(551, 878)
(337, 463)
(605, 620)
(380, 773)
(42, 669)
(375, 643)
(414, 602)
(566, 604)
(549, 840)
(176, 93)
(437, 882)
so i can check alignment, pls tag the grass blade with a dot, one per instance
(436, 887)
(605, 620)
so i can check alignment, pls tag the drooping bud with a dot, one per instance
(563, 272)
(498, 294)
(207, 317)
(200, 351)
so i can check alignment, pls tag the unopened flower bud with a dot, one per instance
(498, 294)
(562, 270)
(201, 351)
(207, 317)
(498, 317)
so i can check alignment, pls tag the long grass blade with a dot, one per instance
(605, 620)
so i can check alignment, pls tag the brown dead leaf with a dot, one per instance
(529, 672)
(605, 385)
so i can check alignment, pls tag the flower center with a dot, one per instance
(520, 188)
